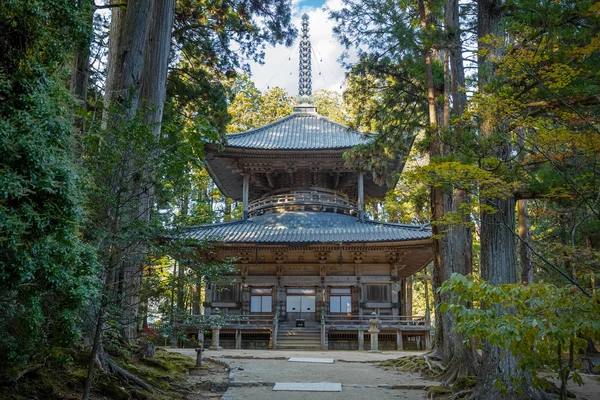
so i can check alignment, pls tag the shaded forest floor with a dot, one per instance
(461, 388)
(167, 373)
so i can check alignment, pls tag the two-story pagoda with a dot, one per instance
(312, 268)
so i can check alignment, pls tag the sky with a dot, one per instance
(280, 66)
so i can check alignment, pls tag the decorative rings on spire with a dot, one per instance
(305, 75)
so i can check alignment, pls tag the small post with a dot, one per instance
(275, 329)
(399, 343)
(216, 331)
(361, 340)
(199, 351)
(238, 338)
(374, 331)
(245, 188)
(361, 197)
(323, 330)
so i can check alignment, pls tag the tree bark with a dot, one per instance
(452, 244)
(454, 47)
(524, 243)
(498, 246)
(153, 89)
(80, 74)
(436, 193)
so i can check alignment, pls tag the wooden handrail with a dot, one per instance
(401, 320)
(303, 197)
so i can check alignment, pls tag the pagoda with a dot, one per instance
(311, 267)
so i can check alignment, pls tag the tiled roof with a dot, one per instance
(299, 131)
(307, 227)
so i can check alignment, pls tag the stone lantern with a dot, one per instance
(216, 330)
(374, 331)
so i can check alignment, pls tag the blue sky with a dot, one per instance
(311, 3)
(281, 63)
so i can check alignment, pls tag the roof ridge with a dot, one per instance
(297, 114)
(411, 226)
(365, 133)
(237, 221)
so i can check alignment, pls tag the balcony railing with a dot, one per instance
(303, 198)
(402, 321)
(252, 319)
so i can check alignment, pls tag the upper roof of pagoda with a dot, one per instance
(304, 129)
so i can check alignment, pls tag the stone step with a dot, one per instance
(298, 333)
(307, 340)
(296, 328)
(299, 346)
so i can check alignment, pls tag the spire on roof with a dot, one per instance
(305, 76)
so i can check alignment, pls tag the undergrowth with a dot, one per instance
(63, 377)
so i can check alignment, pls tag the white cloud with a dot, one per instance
(281, 63)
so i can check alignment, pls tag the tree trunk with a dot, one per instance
(454, 47)
(498, 246)
(152, 99)
(126, 54)
(80, 74)
(524, 243)
(436, 193)
(452, 248)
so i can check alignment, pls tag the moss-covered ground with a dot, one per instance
(64, 376)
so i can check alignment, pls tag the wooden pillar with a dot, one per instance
(361, 196)
(399, 344)
(208, 296)
(245, 300)
(409, 296)
(196, 300)
(245, 188)
(396, 298)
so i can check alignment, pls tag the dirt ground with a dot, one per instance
(254, 372)
(589, 391)
(210, 382)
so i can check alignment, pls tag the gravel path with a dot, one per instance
(254, 372)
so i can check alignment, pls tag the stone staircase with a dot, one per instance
(292, 338)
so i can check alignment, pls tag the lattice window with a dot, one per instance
(377, 293)
(229, 293)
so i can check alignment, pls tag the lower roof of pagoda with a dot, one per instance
(269, 171)
(307, 227)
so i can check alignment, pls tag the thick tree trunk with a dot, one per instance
(498, 243)
(126, 54)
(460, 359)
(437, 194)
(524, 243)
(154, 76)
(80, 74)
(153, 89)
(452, 249)
(454, 47)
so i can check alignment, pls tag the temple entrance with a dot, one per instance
(300, 304)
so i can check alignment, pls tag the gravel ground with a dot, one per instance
(255, 371)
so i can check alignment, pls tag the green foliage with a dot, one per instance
(251, 109)
(543, 325)
(46, 270)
